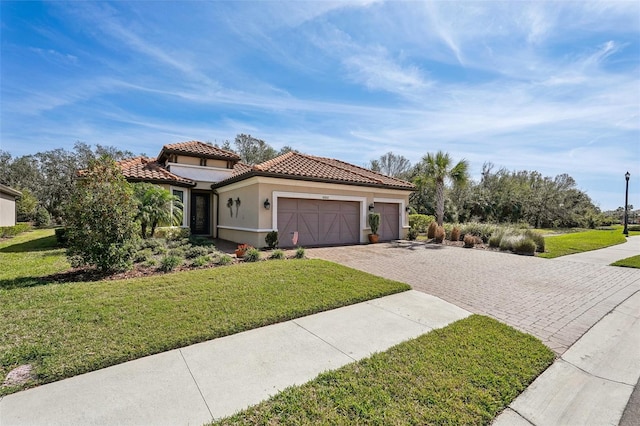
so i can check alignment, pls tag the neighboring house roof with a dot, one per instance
(197, 149)
(142, 169)
(8, 190)
(293, 165)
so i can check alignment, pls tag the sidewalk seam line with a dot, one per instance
(333, 346)
(402, 316)
(520, 414)
(196, 383)
(595, 375)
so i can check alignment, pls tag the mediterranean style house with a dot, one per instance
(308, 200)
(8, 197)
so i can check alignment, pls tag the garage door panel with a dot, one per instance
(318, 222)
(389, 220)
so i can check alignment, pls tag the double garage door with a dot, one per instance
(318, 222)
(329, 222)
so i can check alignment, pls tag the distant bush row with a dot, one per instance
(12, 231)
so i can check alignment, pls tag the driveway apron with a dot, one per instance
(555, 300)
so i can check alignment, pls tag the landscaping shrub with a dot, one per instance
(170, 262)
(508, 242)
(150, 263)
(455, 234)
(299, 253)
(271, 239)
(143, 255)
(412, 234)
(420, 222)
(196, 251)
(201, 260)
(200, 241)
(524, 246)
(224, 259)
(439, 234)
(496, 239)
(12, 231)
(61, 236)
(633, 228)
(252, 255)
(172, 233)
(179, 243)
(43, 218)
(431, 230)
(482, 230)
(101, 218)
(178, 251)
(537, 238)
(277, 254)
(374, 222)
(469, 240)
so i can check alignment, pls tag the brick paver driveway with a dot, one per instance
(555, 300)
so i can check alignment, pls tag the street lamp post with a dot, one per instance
(625, 231)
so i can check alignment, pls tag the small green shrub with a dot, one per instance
(509, 241)
(469, 240)
(151, 243)
(431, 230)
(172, 232)
(181, 242)
(61, 236)
(142, 255)
(495, 239)
(439, 234)
(634, 228)
(525, 246)
(201, 261)
(224, 259)
(170, 262)
(420, 222)
(455, 234)
(299, 253)
(252, 255)
(482, 230)
(150, 263)
(412, 234)
(277, 254)
(272, 239)
(43, 218)
(374, 222)
(194, 252)
(159, 250)
(178, 251)
(197, 240)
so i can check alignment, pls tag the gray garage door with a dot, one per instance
(318, 222)
(389, 221)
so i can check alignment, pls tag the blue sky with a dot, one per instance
(547, 86)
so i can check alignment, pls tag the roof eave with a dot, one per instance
(164, 153)
(305, 178)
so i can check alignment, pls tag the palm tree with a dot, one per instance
(155, 207)
(437, 169)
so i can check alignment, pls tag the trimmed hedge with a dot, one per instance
(12, 231)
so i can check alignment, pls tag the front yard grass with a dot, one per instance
(68, 329)
(465, 373)
(629, 262)
(562, 245)
(28, 256)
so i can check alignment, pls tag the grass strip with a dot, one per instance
(562, 245)
(629, 262)
(68, 329)
(28, 256)
(465, 373)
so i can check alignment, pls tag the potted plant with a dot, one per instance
(242, 249)
(374, 224)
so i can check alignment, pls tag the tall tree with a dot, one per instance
(252, 150)
(156, 206)
(438, 169)
(391, 164)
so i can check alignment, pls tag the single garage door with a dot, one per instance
(318, 222)
(389, 221)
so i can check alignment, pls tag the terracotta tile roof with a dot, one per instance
(197, 149)
(307, 167)
(148, 170)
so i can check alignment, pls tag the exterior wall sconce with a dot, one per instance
(407, 209)
(371, 207)
(267, 204)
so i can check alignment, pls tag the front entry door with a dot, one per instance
(200, 213)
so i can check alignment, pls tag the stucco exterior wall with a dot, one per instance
(7, 209)
(195, 161)
(254, 221)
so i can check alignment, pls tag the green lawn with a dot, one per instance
(465, 373)
(629, 262)
(562, 245)
(28, 256)
(69, 329)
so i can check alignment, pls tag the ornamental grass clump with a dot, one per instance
(469, 241)
(431, 230)
(508, 242)
(201, 261)
(525, 246)
(455, 234)
(537, 238)
(439, 234)
(252, 255)
(277, 254)
(299, 253)
(170, 262)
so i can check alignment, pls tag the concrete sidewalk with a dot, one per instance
(607, 255)
(592, 381)
(198, 383)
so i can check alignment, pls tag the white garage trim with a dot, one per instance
(238, 228)
(280, 194)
